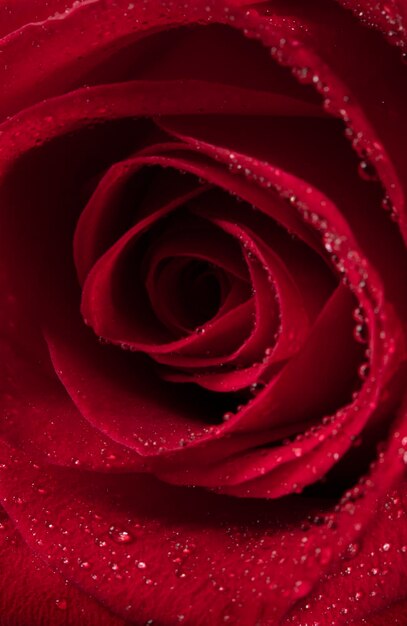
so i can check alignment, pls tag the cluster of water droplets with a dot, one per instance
(354, 272)
(290, 51)
(114, 539)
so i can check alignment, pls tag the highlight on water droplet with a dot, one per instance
(363, 371)
(352, 550)
(367, 171)
(119, 535)
(360, 333)
(61, 604)
(302, 588)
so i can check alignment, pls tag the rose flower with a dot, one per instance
(203, 313)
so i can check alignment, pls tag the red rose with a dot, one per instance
(203, 344)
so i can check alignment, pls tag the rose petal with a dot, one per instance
(23, 13)
(32, 593)
(117, 571)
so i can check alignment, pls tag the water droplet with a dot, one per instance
(367, 171)
(255, 388)
(363, 371)
(360, 333)
(358, 315)
(302, 588)
(386, 547)
(100, 542)
(141, 565)
(120, 536)
(388, 206)
(62, 604)
(303, 74)
(352, 550)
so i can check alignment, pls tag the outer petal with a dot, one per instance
(369, 589)
(388, 17)
(32, 593)
(120, 538)
(17, 14)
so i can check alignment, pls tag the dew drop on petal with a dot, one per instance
(363, 371)
(358, 315)
(387, 204)
(120, 536)
(360, 333)
(255, 388)
(61, 604)
(352, 550)
(302, 588)
(367, 171)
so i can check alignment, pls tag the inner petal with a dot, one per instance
(121, 297)
(188, 293)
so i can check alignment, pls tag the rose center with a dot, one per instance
(200, 293)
